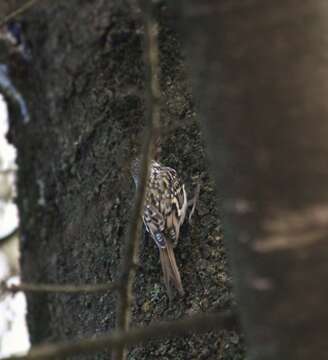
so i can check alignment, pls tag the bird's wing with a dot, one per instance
(174, 202)
(155, 224)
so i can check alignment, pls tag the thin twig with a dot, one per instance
(118, 339)
(152, 130)
(69, 288)
(9, 236)
(18, 11)
(12, 170)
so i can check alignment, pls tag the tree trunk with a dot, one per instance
(261, 78)
(84, 89)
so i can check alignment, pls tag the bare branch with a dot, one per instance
(9, 236)
(69, 288)
(7, 171)
(119, 339)
(152, 130)
(18, 11)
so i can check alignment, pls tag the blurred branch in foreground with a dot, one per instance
(119, 339)
(152, 132)
(68, 288)
(26, 6)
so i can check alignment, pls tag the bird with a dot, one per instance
(164, 212)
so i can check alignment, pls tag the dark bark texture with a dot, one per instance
(261, 76)
(84, 88)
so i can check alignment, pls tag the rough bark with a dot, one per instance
(84, 89)
(261, 76)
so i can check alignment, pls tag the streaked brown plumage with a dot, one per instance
(164, 212)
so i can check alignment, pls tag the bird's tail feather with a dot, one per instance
(170, 269)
